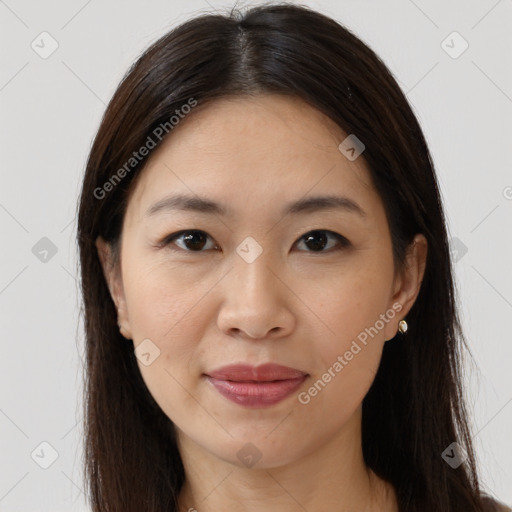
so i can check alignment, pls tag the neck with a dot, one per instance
(331, 477)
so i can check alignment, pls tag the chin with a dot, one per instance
(259, 451)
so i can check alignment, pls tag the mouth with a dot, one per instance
(256, 387)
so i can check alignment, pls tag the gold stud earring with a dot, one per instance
(402, 326)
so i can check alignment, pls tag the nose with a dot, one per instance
(255, 301)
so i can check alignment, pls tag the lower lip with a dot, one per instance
(256, 394)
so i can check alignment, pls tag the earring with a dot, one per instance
(402, 326)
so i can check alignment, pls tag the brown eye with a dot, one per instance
(317, 240)
(191, 240)
(194, 240)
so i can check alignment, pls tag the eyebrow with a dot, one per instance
(182, 202)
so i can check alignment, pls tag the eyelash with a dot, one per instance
(343, 243)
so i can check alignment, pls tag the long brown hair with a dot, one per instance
(415, 407)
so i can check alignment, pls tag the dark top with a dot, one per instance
(495, 506)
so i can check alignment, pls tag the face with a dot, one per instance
(256, 281)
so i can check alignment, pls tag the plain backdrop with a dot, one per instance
(51, 106)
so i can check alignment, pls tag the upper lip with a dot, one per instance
(263, 373)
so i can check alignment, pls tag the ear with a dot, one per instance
(407, 285)
(113, 278)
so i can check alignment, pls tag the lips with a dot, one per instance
(263, 373)
(258, 386)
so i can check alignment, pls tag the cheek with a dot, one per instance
(171, 314)
(172, 317)
(163, 304)
(355, 311)
(351, 302)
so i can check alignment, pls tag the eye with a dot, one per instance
(317, 240)
(194, 240)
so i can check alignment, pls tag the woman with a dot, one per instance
(269, 303)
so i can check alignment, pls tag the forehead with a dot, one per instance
(263, 127)
(253, 153)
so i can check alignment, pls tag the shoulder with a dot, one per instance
(492, 505)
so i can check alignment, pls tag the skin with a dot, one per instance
(294, 305)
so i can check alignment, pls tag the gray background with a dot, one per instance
(51, 108)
